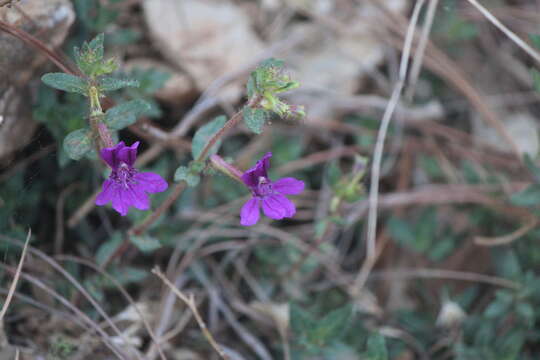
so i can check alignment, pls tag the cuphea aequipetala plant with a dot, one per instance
(128, 187)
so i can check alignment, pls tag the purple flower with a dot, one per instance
(126, 186)
(268, 194)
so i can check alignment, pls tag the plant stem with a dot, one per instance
(232, 122)
(180, 187)
(96, 120)
(32, 41)
(190, 302)
(177, 191)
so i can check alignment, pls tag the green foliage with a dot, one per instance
(145, 243)
(191, 177)
(89, 58)
(530, 196)
(347, 187)
(255, 118)
(94, 15)
(60, 118)
(61, 348)
(204, 134)
(264, 83)
(423, 236)
(66, 82)
(77, 143)
(124, 275)
(451, 25)
(150, 81)
(125, 114)
(111, 84)
(533, 168)
(535, 39)
(269, 77)
(312, 334)
(108, 248)
(536, 79)
(376, 348)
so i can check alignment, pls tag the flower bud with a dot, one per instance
(219, 164)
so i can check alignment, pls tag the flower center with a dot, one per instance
(264, 187)
(123, 175)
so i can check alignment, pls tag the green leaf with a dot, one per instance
(526, 312)
(66, 82)
(251, 87)
(533, 168)
(333, 174)
(536, 79)
(273, 63)
(530, 196)
(96, 46)
(125, 114)
(331, 326)
(497, 309)
(185, 174)
(150, 80)
(255, 118)
(204, 134)
(124, 37)
(376, 348)
(108, 248)
(111, 84)
(402, 231)
(301, 321)
(124, 275)
(77, 143)
(145, 243)
(127, 275)
(90, 61)
(535, 39)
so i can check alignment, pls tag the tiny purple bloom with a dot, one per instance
(126, 186)
(268, 194)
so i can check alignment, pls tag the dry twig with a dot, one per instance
(507, 239)
(379, 147)
(15, 280)
(190, 302)
(511, 35)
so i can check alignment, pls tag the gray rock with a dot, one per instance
(47, 20)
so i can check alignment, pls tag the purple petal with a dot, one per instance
(249, 215)
(251, 176)
(110, 155)
(277, 207)
(136, 197)
(150, 182)
(106, 194)
(119, 201)
(128, 154)
(288, 186)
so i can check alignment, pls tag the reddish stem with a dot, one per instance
(32, 41)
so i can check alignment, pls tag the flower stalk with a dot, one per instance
(179, 188)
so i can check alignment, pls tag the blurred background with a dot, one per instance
(453, 268)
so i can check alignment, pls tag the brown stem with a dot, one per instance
(58, 60)
(177, 191)
(233, 121)
(179, 188)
